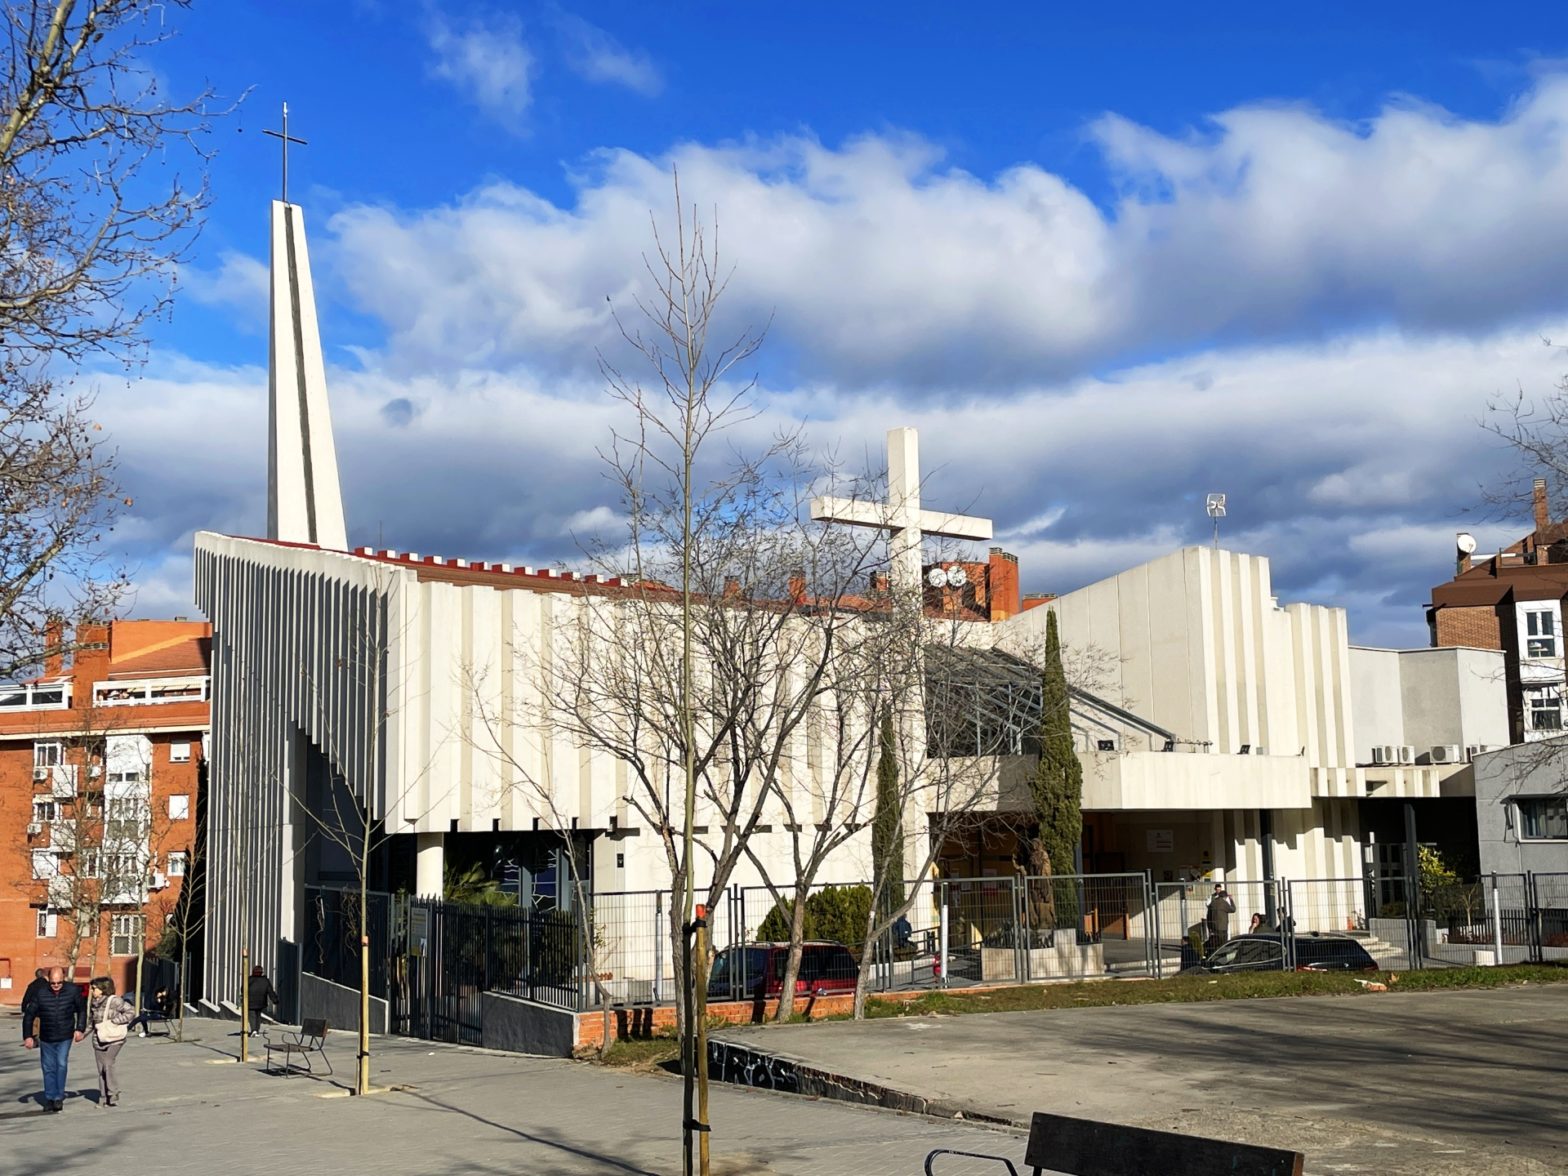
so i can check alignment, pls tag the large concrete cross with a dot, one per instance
(900, 516)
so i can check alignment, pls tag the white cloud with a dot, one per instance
(239, 283)
(487, 60)
(596, 56)
(1334, 305)
(882, 265)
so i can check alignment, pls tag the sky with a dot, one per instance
(1107, 260)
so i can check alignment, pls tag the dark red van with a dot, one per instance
(757, 969)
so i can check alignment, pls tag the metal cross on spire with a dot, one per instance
(900, 516)
(287, 139)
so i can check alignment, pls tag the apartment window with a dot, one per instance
(179, 753)
(92, 864)
(1546, 710)
(125, 934)
(48, 925)
(1540, 632)
(177, 864)
(179, 808)
(1543, 818)
(44, 810)
(47, 755)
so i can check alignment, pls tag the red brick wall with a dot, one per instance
(1474, 626)
(628, 1024)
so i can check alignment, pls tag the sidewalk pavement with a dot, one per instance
(189, 1109)
(1422, 1082)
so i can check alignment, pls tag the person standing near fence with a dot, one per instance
(110, 1017)
(61, 1016)
(1221, 907)
(259, 993)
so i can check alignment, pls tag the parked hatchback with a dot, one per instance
(757, 969)
(1266, 953)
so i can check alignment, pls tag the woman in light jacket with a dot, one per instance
(109, 1017)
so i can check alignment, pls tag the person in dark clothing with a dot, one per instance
(40, 983)
(1221, 907)
(61, 1015)
(259, 993)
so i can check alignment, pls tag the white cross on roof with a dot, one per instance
(901, 516)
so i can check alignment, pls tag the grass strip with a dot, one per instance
(664, 1052)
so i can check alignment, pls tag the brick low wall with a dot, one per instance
(652, 1021)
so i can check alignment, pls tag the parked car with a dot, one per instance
(1313, 952)
(757, 969)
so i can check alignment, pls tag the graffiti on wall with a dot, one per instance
(748, 1067)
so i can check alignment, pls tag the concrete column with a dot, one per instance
(429, 864)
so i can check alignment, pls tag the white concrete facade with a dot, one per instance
(1259, 698)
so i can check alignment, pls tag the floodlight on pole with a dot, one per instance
(1214, 504)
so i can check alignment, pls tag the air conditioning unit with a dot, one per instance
(1385, 754)
(1407, 754)
(40, 775)
(34, 828)
(1476, 749)
(159, 881)
(1445, 753)
(95, 771)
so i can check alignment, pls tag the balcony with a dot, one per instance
(151, 691)
(61, 779)
(34, 696)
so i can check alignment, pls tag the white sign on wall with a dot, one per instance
(1162, 840)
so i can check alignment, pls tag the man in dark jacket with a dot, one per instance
(1221, 907)
(61, 1014)
(259, 993)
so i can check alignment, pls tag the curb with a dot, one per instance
(758, 1069)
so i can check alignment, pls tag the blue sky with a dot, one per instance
(1107, 260)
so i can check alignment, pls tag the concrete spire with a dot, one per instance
(304, 503)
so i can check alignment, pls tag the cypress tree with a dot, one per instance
(887, 842)
(1058, 781)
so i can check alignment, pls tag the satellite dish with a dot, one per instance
(937, 578)
(1465, 542)
(957, 577)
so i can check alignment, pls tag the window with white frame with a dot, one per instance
(180, 753)
(179, 808)
(1546, 709)
(47, 755)
(1543, 818)
(48, 925)
(1540, 626)
(125, 819)
(90, 864)
(177, 864)
(125, 934)
(44, 810)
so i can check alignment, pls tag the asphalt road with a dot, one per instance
(1429, 1083)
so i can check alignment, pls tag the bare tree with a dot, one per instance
(95, 216)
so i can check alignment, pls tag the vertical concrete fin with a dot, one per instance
(304, 502)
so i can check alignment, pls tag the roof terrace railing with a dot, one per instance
(152, 691)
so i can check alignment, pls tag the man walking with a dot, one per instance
(61, 1014)
(259, 993)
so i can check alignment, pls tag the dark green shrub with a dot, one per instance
(835, 913)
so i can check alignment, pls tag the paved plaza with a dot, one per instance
(190, 1110)
(1430, 1083)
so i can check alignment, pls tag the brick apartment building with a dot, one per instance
(1513, 601)
(101, 774)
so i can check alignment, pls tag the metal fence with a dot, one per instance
(433, 961)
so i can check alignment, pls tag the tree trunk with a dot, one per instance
(362, 1069)
(797, 937)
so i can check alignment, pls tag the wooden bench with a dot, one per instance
(310, 1039)
(1083, 1147)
